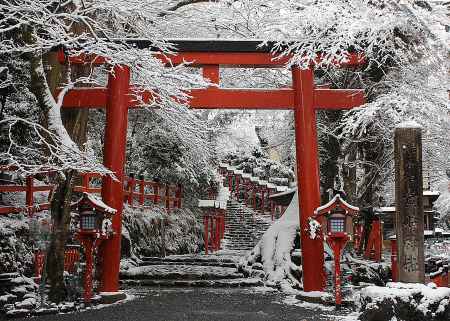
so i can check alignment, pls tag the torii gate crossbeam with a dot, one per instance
(210, 55)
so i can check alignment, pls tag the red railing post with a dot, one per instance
(205, 234)
(29, 199)
(213, 241)
(141, 190)
(156, 193)
(85, 182)
(179, 195)
(262, 199)
(217, 219)
(167, 197)
(237, 179)
(131, 186)
(254, 191)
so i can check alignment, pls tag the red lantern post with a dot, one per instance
(93, 230)
(338, 214)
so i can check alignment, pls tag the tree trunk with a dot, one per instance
(60, 208)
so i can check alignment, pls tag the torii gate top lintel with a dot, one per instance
(242, 53)
(302, 97)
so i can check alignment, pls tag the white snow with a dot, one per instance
(336, 198)
(406, 292)
(286, 192)
(409, 124)
(276, 245)
(314, 228)
(98, 202)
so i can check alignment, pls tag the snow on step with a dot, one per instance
(180, 272)
(244, 226)
(224, 283)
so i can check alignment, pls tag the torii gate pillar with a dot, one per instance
(307, 176)
(114, 159)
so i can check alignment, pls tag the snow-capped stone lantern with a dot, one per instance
(337, 231)
(95, 226)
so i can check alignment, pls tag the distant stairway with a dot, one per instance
(244, 227)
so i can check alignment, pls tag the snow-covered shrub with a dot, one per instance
(142, 235)
(402, 301)
(16, 245)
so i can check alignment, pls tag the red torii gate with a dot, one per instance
(210, 55)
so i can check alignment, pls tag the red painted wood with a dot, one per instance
(337, 244)
(85, 98)
(205, 233)
(241, 98)
(212, 73)
(307, 176)
(9, 210)
(29, 192)
(114, 159)
(374, 244)
(12, 188)
(337, 99)
(220, 98)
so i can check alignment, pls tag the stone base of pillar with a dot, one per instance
(111, 297)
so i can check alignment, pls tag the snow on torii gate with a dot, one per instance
(210, 55)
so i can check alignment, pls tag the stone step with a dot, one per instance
(226, 283)
(199, 263)
(190, 259)
(180, 272)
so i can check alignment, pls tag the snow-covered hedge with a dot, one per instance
(16, 245)
(408, 302)
(141, 232)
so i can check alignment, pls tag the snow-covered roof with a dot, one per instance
(282, 188)
(409, 124)
(335, 199)
(263, 182)
(286, 192)
(271, 185)
(385, 209)
(431, 193)
(246, 175)
(238, 172)
(254, 179)
(96, 202)
(212, 204)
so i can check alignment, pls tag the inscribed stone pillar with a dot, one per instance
(409, 202)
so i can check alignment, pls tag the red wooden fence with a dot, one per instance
(136, 192)
(71, 257)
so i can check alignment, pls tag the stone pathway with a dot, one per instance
(204, 304)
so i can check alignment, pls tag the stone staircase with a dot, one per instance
(244, 227)
(197, 270)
